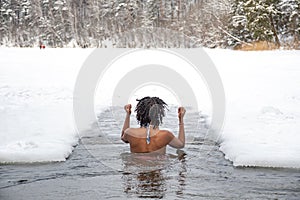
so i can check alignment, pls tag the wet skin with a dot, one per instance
(159, 139)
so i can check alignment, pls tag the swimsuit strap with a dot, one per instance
(148, 135)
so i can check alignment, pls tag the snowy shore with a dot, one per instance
(263, 107)
(36, 118)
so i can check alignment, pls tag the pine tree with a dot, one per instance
(256, 20)
(239, 24)
(5, 18)
(289, 22)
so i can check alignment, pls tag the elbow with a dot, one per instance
(125, 141)
(123, 138)
(181, 146)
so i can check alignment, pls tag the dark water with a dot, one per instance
(101, 167)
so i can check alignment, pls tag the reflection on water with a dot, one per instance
(182, 173)
(144, 175)
(145, 184)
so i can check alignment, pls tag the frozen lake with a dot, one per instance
(260, 130)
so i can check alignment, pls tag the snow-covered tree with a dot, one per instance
(6, 15)
(266, 20)
(208, 23)
(239, 25)
(289, 22)
(89, 22)
(255, 20)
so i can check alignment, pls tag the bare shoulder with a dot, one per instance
(167, 133)
(132, 131)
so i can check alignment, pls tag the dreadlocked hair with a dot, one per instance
(150, 109)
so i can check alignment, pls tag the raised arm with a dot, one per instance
(126, 124)
(179, 142)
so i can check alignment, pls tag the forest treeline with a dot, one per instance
(149, 23)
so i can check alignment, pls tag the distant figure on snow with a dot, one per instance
(42, 46)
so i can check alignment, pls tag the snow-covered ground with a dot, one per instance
(36, 112)
(262, 105)
(262, 125)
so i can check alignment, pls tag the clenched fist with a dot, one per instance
(181, 112)
(127, 108)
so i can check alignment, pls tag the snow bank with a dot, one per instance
(36, 110)
(262, 125)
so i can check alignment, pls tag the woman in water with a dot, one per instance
(149, 138)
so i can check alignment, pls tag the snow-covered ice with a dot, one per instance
(262, 125)
(262, 105)
(36, 112)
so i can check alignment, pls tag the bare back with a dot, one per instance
(159, 139)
